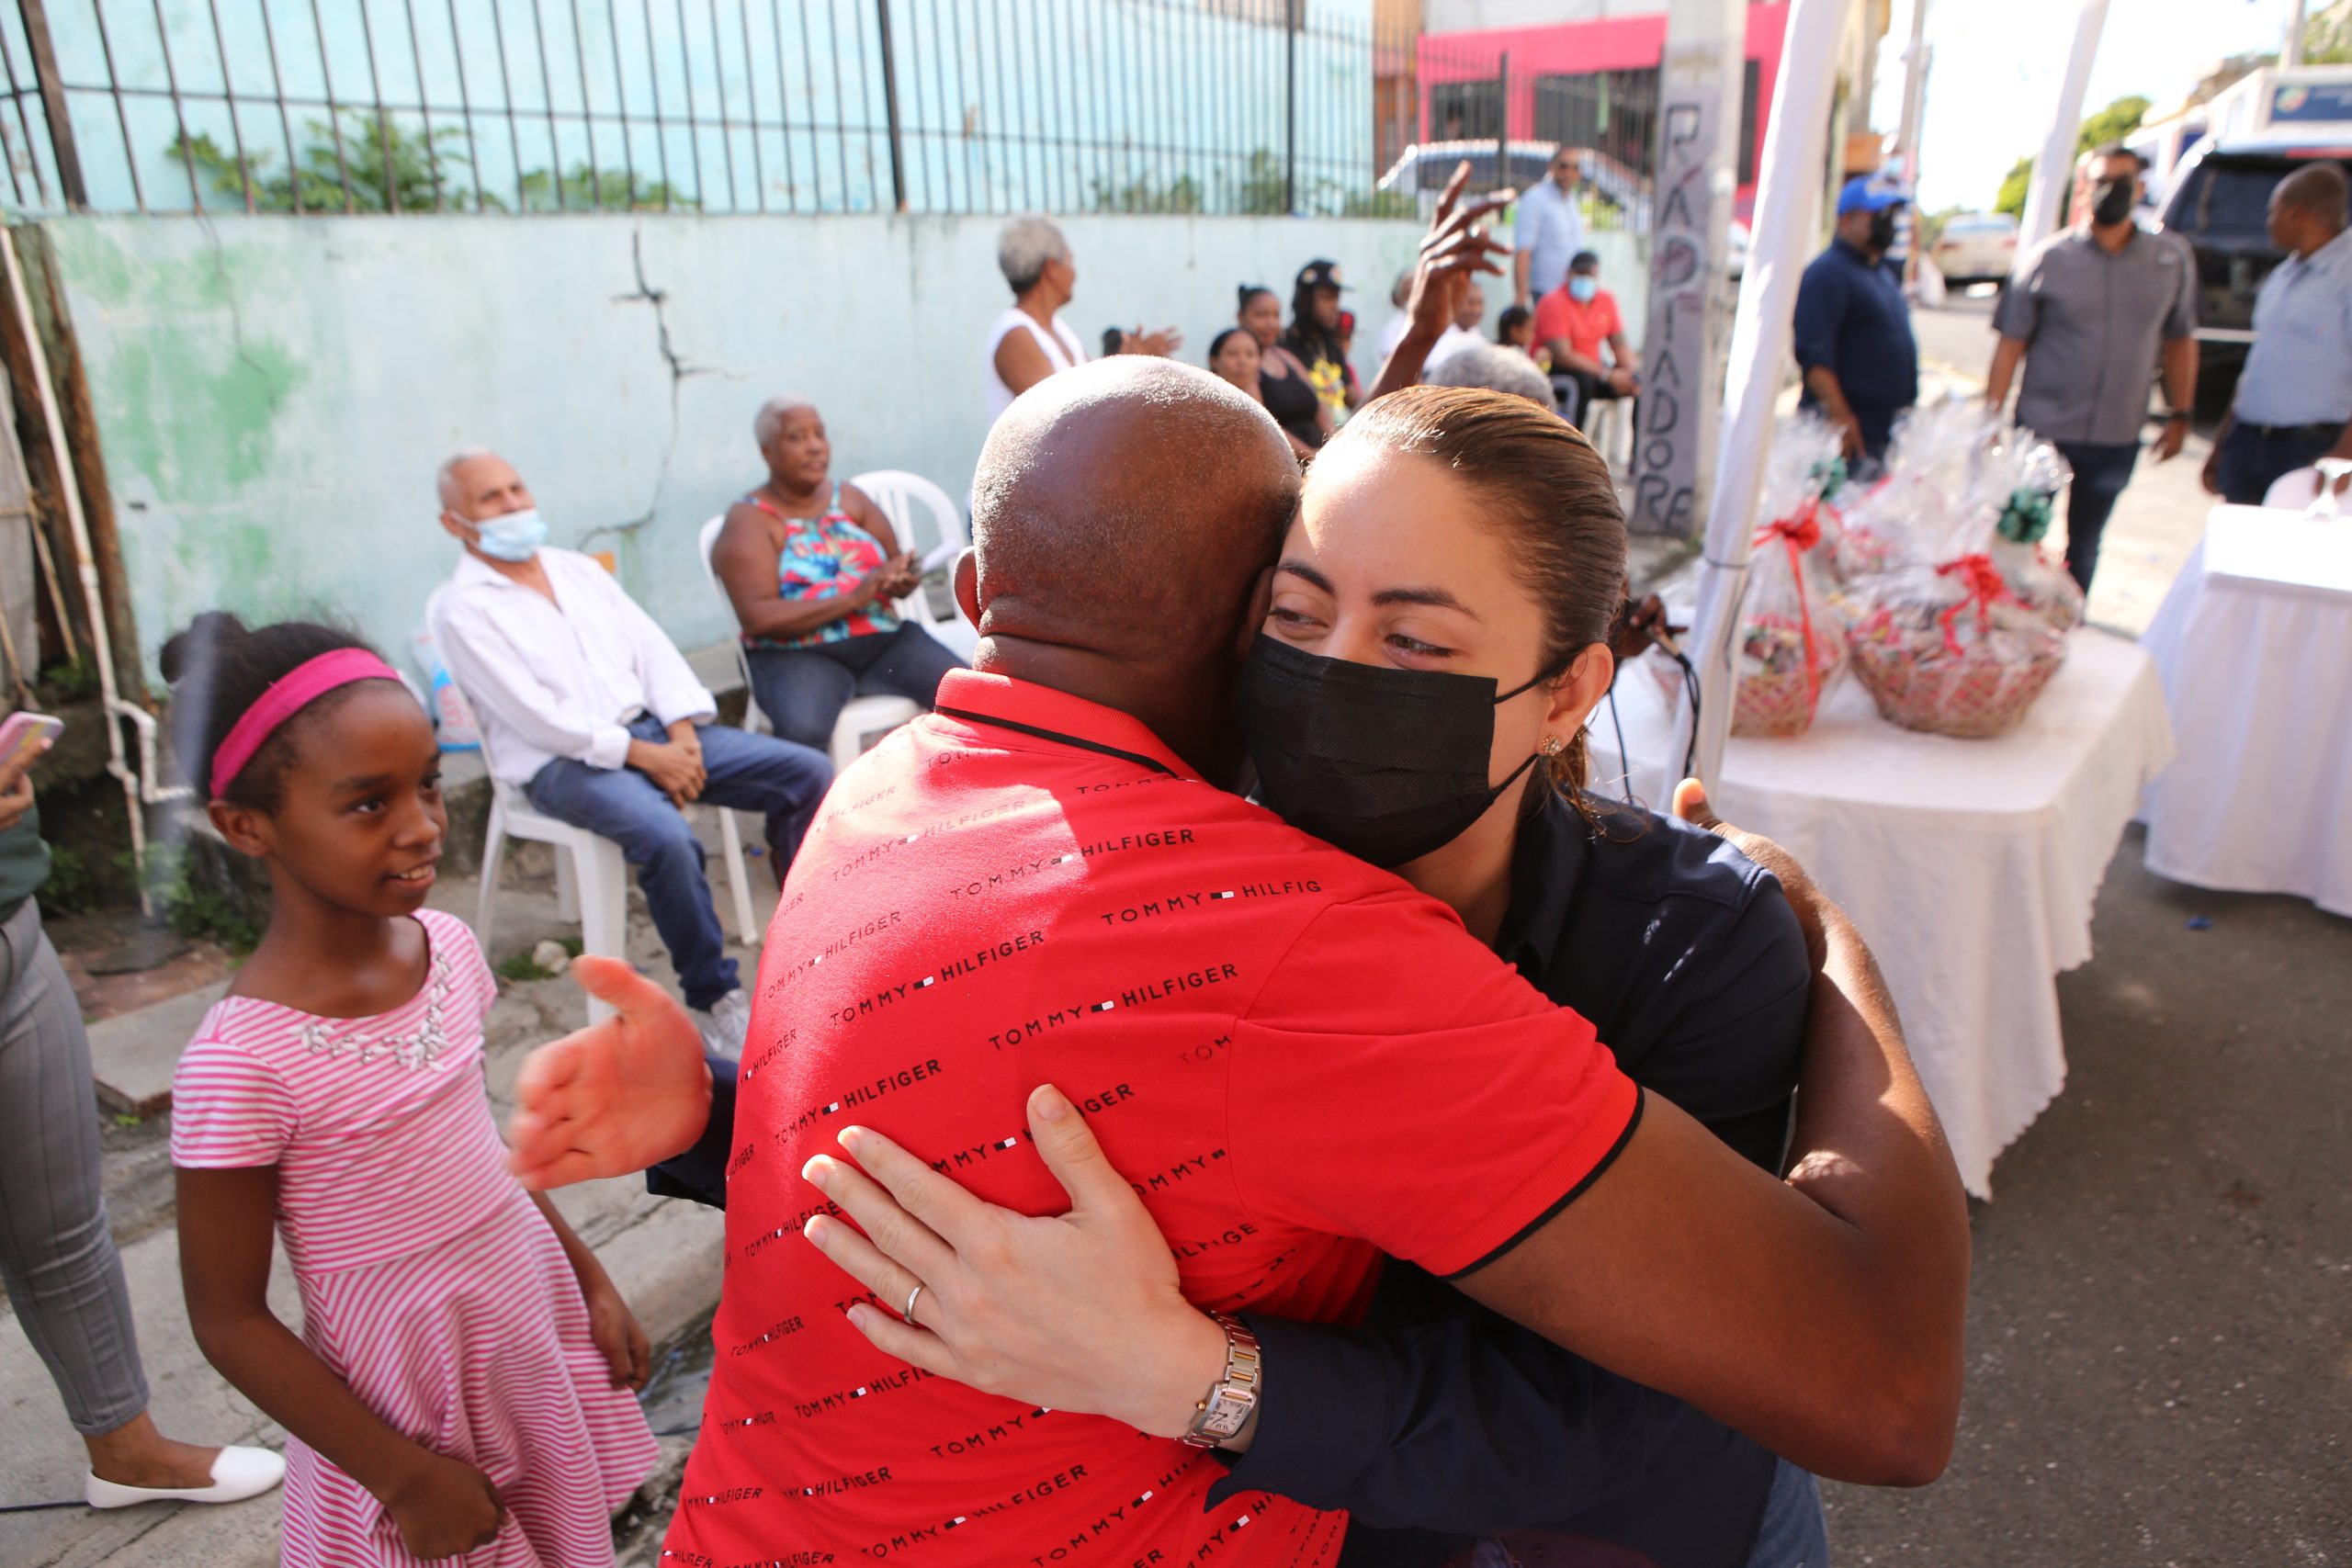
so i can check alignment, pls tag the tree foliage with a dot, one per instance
(375, 164)
(2113, 123)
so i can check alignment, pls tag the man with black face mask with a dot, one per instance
(1853, 329)
(2089, 311)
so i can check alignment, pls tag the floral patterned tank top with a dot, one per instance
(823, 558)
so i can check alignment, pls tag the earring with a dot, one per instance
(1552, 746)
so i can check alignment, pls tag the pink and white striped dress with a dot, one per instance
(430, 1282)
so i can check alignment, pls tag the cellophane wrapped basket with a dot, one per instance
(2021, 475)
(1790, 643)
(1927, 463)
(1944, 646)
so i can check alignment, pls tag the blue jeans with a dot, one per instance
(803, 690)
(747, 772)
(2252, 461)
(2100, 473)
(1795, 1532)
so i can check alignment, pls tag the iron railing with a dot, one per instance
(311, 107)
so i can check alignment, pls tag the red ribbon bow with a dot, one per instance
(1801, 532)
(1985, 588)
(1798, 535)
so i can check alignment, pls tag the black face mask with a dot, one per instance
(1883, 230)
(1386, 764)
(2111, 200)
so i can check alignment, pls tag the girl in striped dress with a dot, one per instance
(462, 1383)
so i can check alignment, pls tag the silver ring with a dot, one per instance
(908, 1314)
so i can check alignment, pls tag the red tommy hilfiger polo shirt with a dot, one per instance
(1298, 1061)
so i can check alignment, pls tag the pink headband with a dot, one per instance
(287, 695)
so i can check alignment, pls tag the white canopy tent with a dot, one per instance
(2054, 171)
(1787, 218)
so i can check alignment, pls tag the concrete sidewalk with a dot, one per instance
(664, 1255)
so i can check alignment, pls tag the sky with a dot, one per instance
(1998, 64)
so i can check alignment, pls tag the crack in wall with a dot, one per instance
(680, 372)
(220, 256)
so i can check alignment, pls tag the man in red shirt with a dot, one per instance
(1301, 1061)
(1576, 321)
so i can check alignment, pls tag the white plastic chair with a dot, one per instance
(862, 721)
(590, 874)
(925, 518)
(1608, 425)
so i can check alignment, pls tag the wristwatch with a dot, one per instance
(1225, 1408)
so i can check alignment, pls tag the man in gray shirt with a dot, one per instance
(2089, 311)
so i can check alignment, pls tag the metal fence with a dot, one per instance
(710, 105)
(780, 106)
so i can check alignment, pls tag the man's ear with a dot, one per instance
(968, 586)
(456, 527)
(1254, 614)
(249, 832)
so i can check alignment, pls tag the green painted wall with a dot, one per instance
(274, 394)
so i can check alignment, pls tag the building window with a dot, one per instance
(1466, 111)
(1615, 113)
(1612, 112)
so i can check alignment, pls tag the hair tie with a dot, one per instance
(287, 695)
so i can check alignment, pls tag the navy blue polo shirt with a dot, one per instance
(1437, 1420)
(1852, 320)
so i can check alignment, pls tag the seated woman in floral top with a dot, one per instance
(813, 570)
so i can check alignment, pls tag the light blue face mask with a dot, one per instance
(513, 537)
(1582, 288)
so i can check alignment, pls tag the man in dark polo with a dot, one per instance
(2089, 311)
(1853, 331)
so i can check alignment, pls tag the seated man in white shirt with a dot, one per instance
(589, 709)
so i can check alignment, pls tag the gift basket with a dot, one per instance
(1929, 460)
(2021, 474)
(1944, 644)
(1790, 643)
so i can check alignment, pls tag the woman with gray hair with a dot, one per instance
(814, 571)
(1495, 369)
(1029, 341)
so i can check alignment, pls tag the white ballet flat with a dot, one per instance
(237, 1473)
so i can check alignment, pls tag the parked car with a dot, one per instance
(1422, 169)
(1975, 247)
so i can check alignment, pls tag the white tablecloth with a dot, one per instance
(1971, 866)
(2254, 644)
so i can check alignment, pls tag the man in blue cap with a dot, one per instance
(1853, 329)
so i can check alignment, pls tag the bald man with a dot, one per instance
(2294, 397)
(1298, 1060)
(590, 711)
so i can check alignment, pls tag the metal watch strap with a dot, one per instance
(1224, 1410)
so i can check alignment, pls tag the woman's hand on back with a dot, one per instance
(1081, 1312)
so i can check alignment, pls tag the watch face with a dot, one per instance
(1225, 1418)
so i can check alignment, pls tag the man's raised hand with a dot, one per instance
(1455, 250)
(615, 1097)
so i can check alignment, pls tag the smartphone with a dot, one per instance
(25, 736)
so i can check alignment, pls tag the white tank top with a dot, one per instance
(1061, 349)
